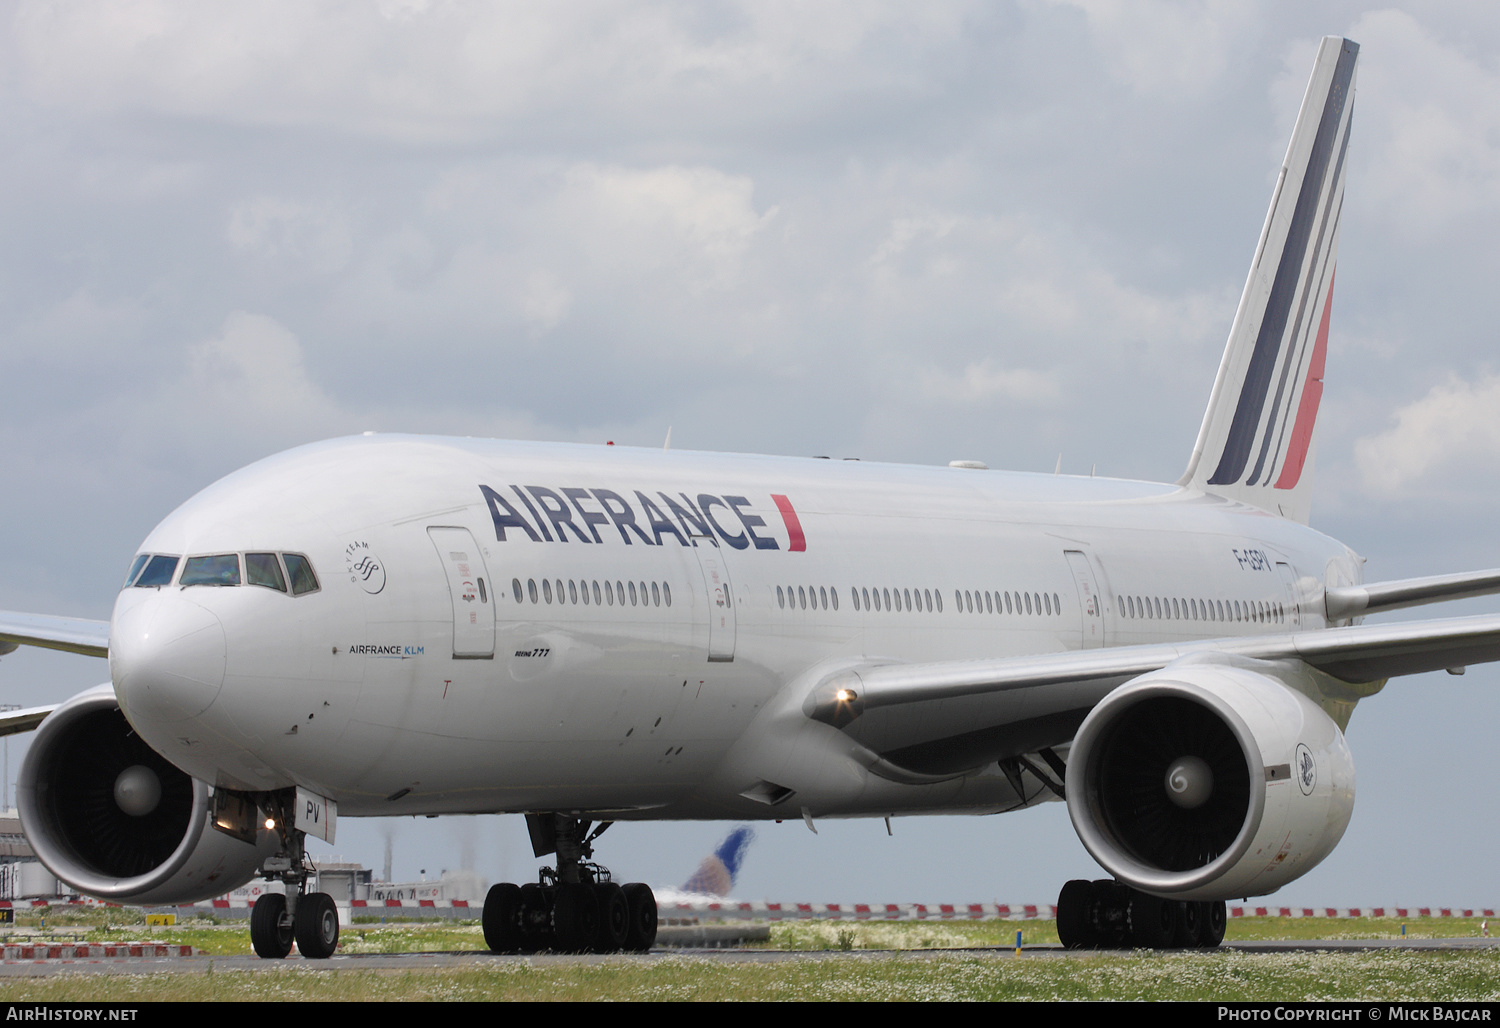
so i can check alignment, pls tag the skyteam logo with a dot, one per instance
(365, 569)
(574, 514)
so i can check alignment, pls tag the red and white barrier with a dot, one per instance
(760, 910)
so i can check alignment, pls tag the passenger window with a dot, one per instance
(780, 598)
(854, 596)
(823, 597)
(158, 571)
(655, 595)
(572, 591)
(927, 596)
(515, 587)
(300, 570)
(597, 602)
(666, 594)
(609, 593)
(264, 569)
(867, 599)
(547, 590)
(801, 597)
(833, 594)
(632, 594)
(220, 569)
(531, 588)
(135, 569)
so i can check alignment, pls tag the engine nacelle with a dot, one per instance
(1209, 781)
(112, 818)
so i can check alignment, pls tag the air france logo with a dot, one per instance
(577, 515)
(1307, 769)
(365, 569)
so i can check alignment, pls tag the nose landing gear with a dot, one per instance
(310, 918)
(574, 908)
(1111, 915)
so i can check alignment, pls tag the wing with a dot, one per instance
(75, 635)
(948, 717)
(13, 722)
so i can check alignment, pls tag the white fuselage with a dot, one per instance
(399, 686)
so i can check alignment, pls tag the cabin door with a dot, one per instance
(1091, 607)
(721, 616)
(473, 606)
(1289, 588)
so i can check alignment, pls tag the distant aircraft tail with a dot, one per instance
(1256, 443)
(716, 875)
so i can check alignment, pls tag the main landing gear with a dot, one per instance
(1111, 915)
(309, 918)
(575, 908)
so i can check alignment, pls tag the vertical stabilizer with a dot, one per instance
(717, 874)
(1256, 443)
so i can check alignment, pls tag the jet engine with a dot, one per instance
(1209, 781)
(112, 818)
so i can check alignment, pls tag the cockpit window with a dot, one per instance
(301, 572)
(158, 571)
(135, 569)
(264, 569)
(222, 569)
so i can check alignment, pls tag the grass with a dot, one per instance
(1386, 976)
(821, 935)
(226, 937)
(848, 970)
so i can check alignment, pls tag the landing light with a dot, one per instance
(270, 822)
(845, 696)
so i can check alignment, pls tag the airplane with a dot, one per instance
(716, 875)
(403, 625)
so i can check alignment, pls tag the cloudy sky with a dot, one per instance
(1003, 231)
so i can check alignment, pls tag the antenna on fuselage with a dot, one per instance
(668, 444)
(1058, 470)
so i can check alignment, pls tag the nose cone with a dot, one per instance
(166, 655)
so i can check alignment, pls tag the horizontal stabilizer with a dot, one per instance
(1377, 597)
(75, 635)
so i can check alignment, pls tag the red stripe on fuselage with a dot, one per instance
(1307, 409)
(793, 526)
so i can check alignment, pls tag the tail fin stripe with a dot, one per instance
(1296, 353)
(1257, 380)
(1307, 410)
(1306, 351)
